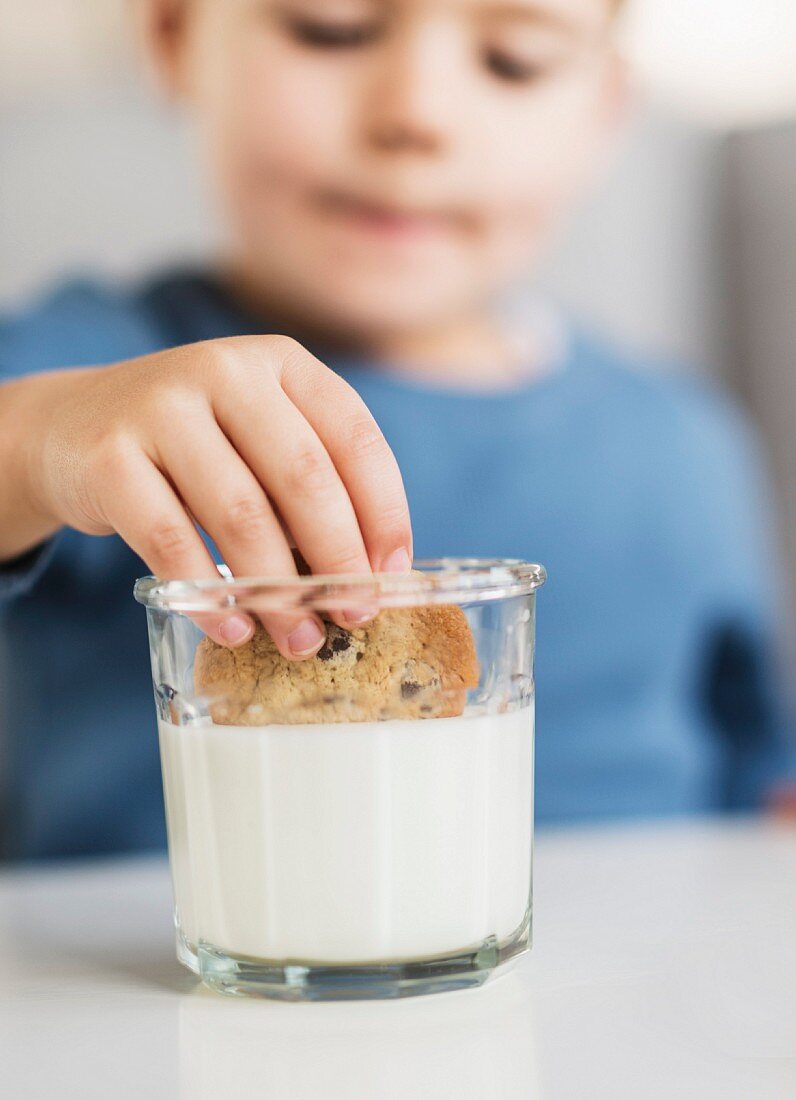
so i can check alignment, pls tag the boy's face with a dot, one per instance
(390, 164)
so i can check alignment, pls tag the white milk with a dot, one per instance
(350, 842)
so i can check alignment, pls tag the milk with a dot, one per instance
(350, 843)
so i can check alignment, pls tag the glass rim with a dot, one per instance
(432, 581)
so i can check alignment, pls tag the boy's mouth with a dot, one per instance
(388, 221)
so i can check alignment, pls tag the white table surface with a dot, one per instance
(664, 966)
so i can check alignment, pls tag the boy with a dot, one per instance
(386, 170)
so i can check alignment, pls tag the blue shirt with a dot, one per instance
(640, 492)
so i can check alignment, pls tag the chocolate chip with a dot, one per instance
(410, 688)
(425, 709)
(360, 655)
(329, 699)
(337, 641)
(332, 646)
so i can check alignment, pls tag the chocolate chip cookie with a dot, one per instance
(407, 663)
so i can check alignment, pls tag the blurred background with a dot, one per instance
(688, 251)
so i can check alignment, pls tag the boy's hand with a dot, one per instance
(782, 803)
(243, 435)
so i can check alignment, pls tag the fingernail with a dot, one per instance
(305, 639)
(358, 615)
(397, 562)
(236, 629)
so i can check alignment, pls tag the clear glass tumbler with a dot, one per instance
(360, 824)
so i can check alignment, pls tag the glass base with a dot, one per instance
(315, 981)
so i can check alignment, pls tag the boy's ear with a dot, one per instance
(617, 93)
(162, 27)
(615, 111)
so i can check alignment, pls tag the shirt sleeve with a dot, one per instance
(79, 324)
(18, 577)
(743, 680)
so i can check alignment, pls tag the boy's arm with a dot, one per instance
(744, 685)
(746, 701)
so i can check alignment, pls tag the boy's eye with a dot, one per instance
(513, 70)
(325, 35)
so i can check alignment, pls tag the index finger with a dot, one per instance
(361, 455)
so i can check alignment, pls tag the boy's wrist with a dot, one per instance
(26, 517)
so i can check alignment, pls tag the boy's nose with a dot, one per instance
(404, 136)
(412, 104)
